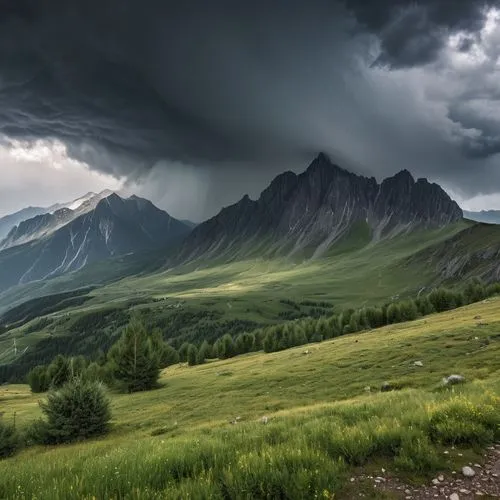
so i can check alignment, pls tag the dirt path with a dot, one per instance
(485, 484)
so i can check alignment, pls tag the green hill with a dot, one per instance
(327, 420)
(205, 301)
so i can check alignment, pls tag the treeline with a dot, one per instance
(284, 336)
(269, 339)
(42, 306)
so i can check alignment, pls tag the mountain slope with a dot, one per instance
(474, 252)
(54, 218)
(486, 216)
(306, 214)
(114, 227)
(10, 221)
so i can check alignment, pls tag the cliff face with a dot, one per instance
(315, 209)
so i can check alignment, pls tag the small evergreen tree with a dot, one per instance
(244, 343)
(204, 352)
(424, 306)
(169, 356)
(77, 411)
(38, 379)
(183, 351)
(269, 341)
(59, 371)
(408, 310)
(77, 366)
(9, 439)
(135, 362)
(393, 314)
(226, 347)
(192, 355)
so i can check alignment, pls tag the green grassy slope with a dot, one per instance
(322, 401)
(238, 296)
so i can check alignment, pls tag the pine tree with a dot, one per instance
(204, 352)
(38, 379)
(192, 355)
(226, 347)
(135, 362)
(78, 410)
(183, 351)
(59, 371)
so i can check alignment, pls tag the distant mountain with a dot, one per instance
(115, 227)
(54, 218)
(9, 221)
(307, 214)
(189, 223)
(487, 216)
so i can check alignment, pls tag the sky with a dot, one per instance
(194, 104)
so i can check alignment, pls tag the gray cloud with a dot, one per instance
(243, 90)
(413, 33)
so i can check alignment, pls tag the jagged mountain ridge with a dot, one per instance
(53, 218)
(313, 210)
(116, 226)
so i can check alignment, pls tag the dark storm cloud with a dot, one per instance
(413, 33)
(263, 84)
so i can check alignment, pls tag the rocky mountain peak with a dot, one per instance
(317, 208)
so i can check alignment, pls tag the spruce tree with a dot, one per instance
(59, 371)
(204, 352)
(38, 379)
(79, 410)
(135, 361)
(192, 355)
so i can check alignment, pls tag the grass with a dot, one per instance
(253, 290)
(177, 442)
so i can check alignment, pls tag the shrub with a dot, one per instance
(9, 439)
(458, 421)
(38, 379)
(77, 411)
(417, 455)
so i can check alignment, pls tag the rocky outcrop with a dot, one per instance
(310, 212)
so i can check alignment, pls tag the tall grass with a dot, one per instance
(298, 454)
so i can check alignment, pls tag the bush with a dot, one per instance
(38, 379)
(417, 455)
(458, 421)
(77, 411)
(9, 439)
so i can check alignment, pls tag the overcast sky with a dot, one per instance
(196, 103)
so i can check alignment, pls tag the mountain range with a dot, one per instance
(68, 240)
(298, 216)
(486, 216)
(309, 213)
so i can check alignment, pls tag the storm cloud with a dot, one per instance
(239, 91)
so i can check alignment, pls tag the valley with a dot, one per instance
(279, 378)
(322, 399)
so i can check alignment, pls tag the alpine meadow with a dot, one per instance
(249, 250)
